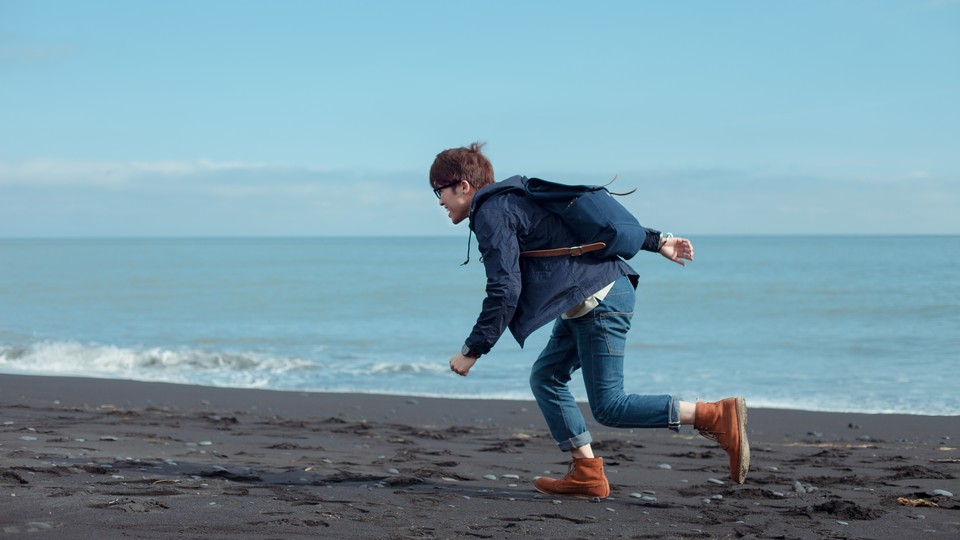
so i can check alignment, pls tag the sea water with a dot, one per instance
(831, 323)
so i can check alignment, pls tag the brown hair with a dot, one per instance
(464, 163)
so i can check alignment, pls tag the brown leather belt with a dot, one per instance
(574, 251)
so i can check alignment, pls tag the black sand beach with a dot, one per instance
(89, 458)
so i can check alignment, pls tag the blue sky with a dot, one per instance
(241, 118)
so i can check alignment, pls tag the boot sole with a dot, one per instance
(744, 465)
(574, 495)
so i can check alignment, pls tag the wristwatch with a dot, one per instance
(467, 352)
(663, 240)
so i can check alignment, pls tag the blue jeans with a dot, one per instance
(595, 345)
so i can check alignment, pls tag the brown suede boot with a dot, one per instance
(584, 479)
(725, 421)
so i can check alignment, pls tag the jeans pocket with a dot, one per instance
(614, 326)
(613, 316)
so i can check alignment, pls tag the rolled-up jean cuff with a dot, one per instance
(576, 442)
(673, 413)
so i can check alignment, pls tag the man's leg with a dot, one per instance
(549, 380)
(601, 338)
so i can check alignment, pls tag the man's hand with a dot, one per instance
(461, 364)
(677, 249)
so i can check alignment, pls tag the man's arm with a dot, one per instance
(496, 230)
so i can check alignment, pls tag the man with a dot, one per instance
(591, 300)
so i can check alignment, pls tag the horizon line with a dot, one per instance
(375, 236)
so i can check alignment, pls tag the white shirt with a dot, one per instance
(588, 304)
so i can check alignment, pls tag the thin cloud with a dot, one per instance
(37, 54)
(234, 198)
(210, 198)
(109, 174)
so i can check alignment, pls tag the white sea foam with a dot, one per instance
(245, 369)
(411, 377)
(151, 364)
(388, 368)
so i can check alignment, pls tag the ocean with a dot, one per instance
(827, 323)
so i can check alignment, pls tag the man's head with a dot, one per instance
(456, 175)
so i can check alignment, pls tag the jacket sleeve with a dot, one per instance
(652, 240)
(496, 228)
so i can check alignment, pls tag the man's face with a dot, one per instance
(456, 199)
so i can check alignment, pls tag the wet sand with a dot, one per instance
(90, 458)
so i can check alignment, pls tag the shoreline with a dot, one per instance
(438, 396)
(109, 457)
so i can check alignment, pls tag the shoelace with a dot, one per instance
(714, 436)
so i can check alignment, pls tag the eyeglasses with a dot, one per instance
(441, 188)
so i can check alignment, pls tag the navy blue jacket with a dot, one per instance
(525, 293)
